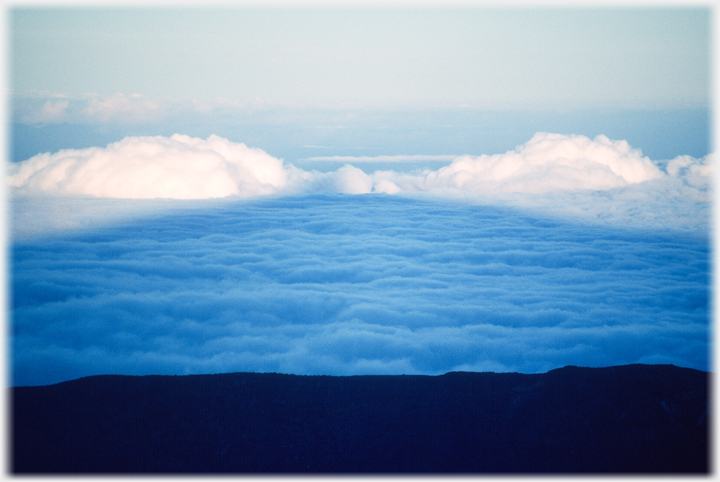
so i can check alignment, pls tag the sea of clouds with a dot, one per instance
(564, 250)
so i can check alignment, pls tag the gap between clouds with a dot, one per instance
(550, 170)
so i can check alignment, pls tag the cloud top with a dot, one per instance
(549, 162)
(178, 167)
(183, 167)
(397, 158)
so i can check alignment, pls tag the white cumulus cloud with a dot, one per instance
(694, 172)
(548, 163)
(178, 167)
(351, 180)
(568, 175)
(189, 168)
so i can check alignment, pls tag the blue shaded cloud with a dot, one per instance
(345, 284)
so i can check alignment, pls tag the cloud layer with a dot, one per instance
(189, 168)
(565, 250)
(344, 284)
(565, 174)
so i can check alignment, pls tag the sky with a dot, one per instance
(319, 190)
(369, 57)
(320, 81)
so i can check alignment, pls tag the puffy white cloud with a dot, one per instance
(599, 179)
(179, 167)
(696, 173)
(384, 185)
(351, 180)
(548, 163)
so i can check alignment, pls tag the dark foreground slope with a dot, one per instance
(635, 418)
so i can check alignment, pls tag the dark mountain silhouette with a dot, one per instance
(624, 419)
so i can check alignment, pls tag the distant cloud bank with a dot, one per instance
(563, 172)
(54, 108)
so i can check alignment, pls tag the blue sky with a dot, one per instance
(358, 190)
